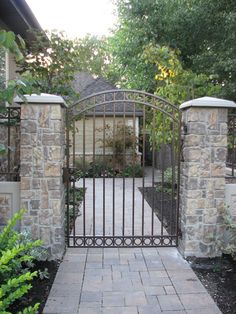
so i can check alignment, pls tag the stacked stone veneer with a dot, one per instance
(202, 190)
(42, 157)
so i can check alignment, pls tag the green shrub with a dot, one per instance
(133, 171)
(227, 242)
(169, 176)
(99, 168)
(76, 196)
(16, 258)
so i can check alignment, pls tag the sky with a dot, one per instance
(75, 17)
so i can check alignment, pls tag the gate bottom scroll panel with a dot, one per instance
(123, 241)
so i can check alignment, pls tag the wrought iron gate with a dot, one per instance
(113, 199)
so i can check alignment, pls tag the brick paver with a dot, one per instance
(124, 281)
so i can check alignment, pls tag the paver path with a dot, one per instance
(103, 192)
(127, 281)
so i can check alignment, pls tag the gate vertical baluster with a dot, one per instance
(84, 217)
(73, 190)
(113, 162)
(162, 150)
(233, 133)
(143, 164)
(133, 163)
(104, 182)
(153, 169)
(94, 195)
(178, 175)
(123, 157)
(67, 177)
(173, 181)
(9, 175)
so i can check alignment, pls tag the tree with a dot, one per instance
(51, 63)
(132, 70)
(173, 82)
(93, 55)
(204, 32)
(8, 90)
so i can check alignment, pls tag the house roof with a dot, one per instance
(16, 15)
(98, 85)
(82, 80)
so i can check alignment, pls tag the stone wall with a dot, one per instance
(202, 190)
(42, 158)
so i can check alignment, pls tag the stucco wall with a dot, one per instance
(85, 142)
(9, 200)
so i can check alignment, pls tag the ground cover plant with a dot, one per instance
(75, 199)
(16, 260)
(24, 270)
(103, 167)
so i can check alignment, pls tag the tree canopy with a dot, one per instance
(52, 61)
(203, 31)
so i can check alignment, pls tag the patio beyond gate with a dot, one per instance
(122, 171)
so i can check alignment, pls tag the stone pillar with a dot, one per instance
(42, 157)
(203, 170)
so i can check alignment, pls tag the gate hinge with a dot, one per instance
(180, 234)
(65, 174)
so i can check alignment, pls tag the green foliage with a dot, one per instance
(2, 67)
(50, 63)
(169, 175)
(202, 30)
(99, 168)
(15, 276)
(227, 242)
(169, 180)
(8, 42)
(94, 56)
(76, 195)
(30, 309)
(105, 168)
(3, 149)
(121, 141)
(132, 170)
(173, 82)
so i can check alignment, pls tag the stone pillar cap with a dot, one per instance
(208, 102)
(41, 99)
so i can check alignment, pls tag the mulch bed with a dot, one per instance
(218, 275)
(40, 288)
(158, 200)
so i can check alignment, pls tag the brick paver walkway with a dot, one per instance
(127, 281)
(104, 193)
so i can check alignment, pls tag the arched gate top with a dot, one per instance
(123, 100)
